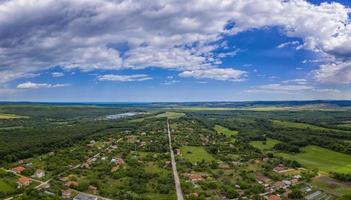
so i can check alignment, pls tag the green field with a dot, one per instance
(332, 186)
(324, 159)
(9, 116)
(225, 131)
(196, 154)
(170, 115)
(298, 125)
(344, 126)
(268, 145)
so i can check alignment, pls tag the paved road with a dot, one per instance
(174, 167)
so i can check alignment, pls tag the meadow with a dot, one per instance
(265, 145)
(196, 154)
(299, 125)
(227, 132)
(321, 158)
(10, 116)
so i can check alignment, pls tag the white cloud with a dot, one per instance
(223, 74)
(179, 35)
(57, 74)
(339, 72)
(124, 78)
(31, 85)
(286, 44)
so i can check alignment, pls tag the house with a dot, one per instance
(117, 161)
(18, 169)
(143, 133)
(23, 181)
(39, 173)
(82, 196)
(92, 189)
(66, 194)
(177, 151)
(195, 178)
(279, 184)
(274, 197)
(71, 183)
(279, 168)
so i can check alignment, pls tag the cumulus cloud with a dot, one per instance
(180, 35)
(57, 74)
(215, 73)
(31, 85)
(124, 78)
(334, 73)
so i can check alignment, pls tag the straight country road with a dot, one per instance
(174, 167)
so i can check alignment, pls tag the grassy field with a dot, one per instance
(196, 154)
(344, 126)
(170, 115)
(324, 159)
(225, 131)
(298, 125)
(268, 145)
(9, 116)
(332, 186)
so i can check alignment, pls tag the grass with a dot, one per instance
(332, 186)
(225, 131)
(10, 116)
(344, 126)
(324, 159)
(265, 146)
(299, 125)
(170, 115)
(5, 187)
(196, 154)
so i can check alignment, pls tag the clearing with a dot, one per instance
(265, 145)
(324, 159)
(225, 131)
(10, 116)
(196, 154)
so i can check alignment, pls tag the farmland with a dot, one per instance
(265, 145)
(196, 154)
(323, 159)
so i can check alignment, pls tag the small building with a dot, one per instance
(71, 183)
(18, 169)
(82, 196)
(279, 168)
(195, 178)
(117, 161)
(143, 133)
(39, 173)
(66, 194)
(274, 197)
(92, 189)
(23, 181)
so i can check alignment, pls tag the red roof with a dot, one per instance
(24, 180)
(274, 197)
(19, 169)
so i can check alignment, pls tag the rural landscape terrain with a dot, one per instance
(222, 150)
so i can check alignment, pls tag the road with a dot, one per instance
(174, 167)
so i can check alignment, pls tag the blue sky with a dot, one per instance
(164, 51)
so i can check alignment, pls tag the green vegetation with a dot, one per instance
(298, 125)
(170, 115)
(225, 131)
(196, 154)
(324, 159)
(332, 186)
(10, 116)
(265, 145)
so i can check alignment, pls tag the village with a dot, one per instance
(137, 161)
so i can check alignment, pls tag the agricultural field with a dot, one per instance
(170, 115)
(196, 154)
(325, 160)
(225, 131)
(298, 125)
(265, 145)
(9, 116)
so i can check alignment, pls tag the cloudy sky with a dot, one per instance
(174, 50)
